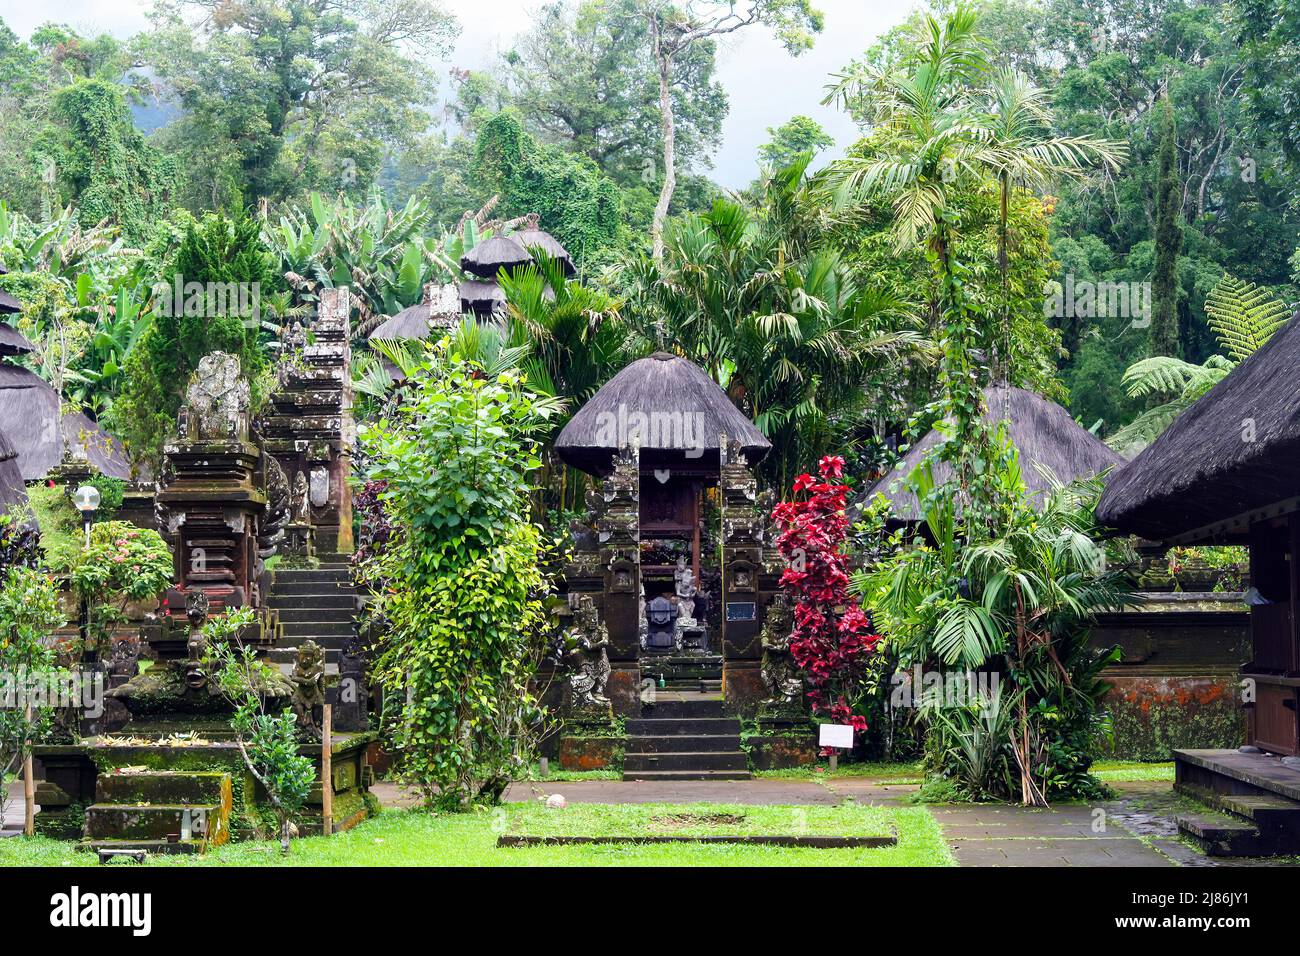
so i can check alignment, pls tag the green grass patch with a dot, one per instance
(414, 838)
(1113, 771)
(884, 771)
(631, 820)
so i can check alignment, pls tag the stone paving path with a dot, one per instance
(1134, 829)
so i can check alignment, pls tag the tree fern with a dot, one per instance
(1243, 316)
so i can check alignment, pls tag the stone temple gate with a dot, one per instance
(673, 575)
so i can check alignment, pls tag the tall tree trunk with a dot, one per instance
(667, 126)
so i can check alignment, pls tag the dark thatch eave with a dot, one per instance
(8, 304)
(537, 239)
(481, 298)
(13, 342)
(684, 413)
(1046, 438)
(492, 255)
(489, 257)
(1236, 451)
(29, 415)
(440, 309)
(12, 489)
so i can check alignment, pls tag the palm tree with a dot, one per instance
(1022, 151)
(1243, 317)
(937, 141)
(760, 299)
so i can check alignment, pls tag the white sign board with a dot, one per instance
(836, 735)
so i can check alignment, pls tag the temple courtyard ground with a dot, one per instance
(1133, 828)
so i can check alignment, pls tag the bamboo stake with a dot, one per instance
(29, 784)
(326, 770)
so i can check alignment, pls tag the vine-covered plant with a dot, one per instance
(832, 641)
(267, 738)
(464, 579)
(122, 563)
(30, 611)
(1017, 604)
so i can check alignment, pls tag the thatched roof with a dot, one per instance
(13, 342)
(1043, 433)
(29, 415)
(670, 405)
(492, 255)
(441, 309)
(481, 298)
(1234, 453)
(8, 304)
(12, 490)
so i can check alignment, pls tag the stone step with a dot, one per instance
(339, 599)
(155, 821)
(315, 614)
(672, 726)
(314, 575)
(686, 761)
(1219, 834)
(334, 558)
(198, 788)
(333, 588)
(317, 629)
(289, 656)
(659, 775)
(683, 743)
(149, 846)
(1263, 808)
(699, 685)
(668, 705)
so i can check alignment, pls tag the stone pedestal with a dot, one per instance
(310, 431)
(620, 558)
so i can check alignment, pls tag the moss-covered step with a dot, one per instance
(163, 786)
(154, 821)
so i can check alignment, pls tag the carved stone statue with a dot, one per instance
(196, 614)
(301, 506)
(661, 634)
(308, 679)
(780, 674)
(277, 508)
(218, 399)
(585, 646)
(684, 579)
(124, 664)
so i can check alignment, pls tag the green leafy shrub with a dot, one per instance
(30, 610)
(464, 592)
(121, 564)
(267, 739)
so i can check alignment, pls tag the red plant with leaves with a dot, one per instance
(832, 641)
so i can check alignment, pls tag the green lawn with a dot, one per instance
(407, 838)
(910, 771)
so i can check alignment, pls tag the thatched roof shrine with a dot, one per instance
(1043, 433)
(12, 490)
(669, 406)
(30, 416)
(13, 342)
(1230, 459)
(440, 309)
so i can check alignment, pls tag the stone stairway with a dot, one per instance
(684, 736)
(158, 812)
(1242, 824)
(314, 603)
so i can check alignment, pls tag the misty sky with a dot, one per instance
(765, 85)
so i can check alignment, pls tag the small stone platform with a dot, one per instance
(1252, 800)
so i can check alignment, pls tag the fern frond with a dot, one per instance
(1243, 315)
